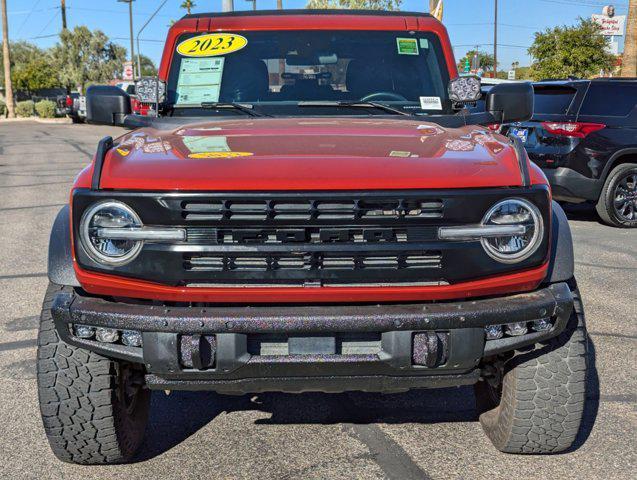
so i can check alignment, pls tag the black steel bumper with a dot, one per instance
(236, 369)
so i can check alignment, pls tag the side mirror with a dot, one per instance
(510, 102)
(107, 105)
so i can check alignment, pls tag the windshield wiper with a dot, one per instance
(353, 104)
(242, 107)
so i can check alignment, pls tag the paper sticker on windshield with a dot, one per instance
(430, 103)
(199, 80)
(407, 46)
(212, 44)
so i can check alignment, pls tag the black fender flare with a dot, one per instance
(562, 262)
(60, 264)
(612, 161)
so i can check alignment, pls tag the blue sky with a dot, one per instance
(469, 21)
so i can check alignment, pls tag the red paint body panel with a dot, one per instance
(100, 284)
(312, 154)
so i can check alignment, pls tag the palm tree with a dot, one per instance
(188, 4)
(8, 88)
(629, 62)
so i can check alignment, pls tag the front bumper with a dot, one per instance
(234, 368)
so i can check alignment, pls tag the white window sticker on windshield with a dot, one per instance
(199, 80)
(424, 43)
(430, 103)
(407, 46)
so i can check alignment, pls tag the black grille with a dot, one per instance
(301, 209)
(311, 261)
(322, 238)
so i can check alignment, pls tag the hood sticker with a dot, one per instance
(220, 154)
(212, 45)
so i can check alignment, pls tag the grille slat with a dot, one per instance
(303, 209)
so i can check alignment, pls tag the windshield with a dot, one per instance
(280, 72)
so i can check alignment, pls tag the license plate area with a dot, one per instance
(521, 133)
(337, 344)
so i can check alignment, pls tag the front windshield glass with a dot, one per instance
(281, 71)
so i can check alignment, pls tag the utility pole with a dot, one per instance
(227, 5)
(495, 41)
(629, 60)
(8, 87)
(130, 19)
(63, 10)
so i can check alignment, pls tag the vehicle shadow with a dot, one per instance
(179, 415)
(583, 212)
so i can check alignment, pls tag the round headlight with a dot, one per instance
(109, 215)
(514, 248)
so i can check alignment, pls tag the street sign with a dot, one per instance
(128, 71)
(511, 75)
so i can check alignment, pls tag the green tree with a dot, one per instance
(486, 60)
(356, 4)
(578, 51)
(84, 56)
(188, 5)
(31, 68)
(148, 67)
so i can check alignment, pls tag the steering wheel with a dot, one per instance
(383, 96)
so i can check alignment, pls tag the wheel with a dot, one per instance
(617, 204)
(94, 409)
(75, 119)
(533, 402)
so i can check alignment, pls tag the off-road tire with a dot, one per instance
(85, 419)
(539, 405)
(605, 205)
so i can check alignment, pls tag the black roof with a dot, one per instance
(305, 11)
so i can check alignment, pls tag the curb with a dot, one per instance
(62, 121)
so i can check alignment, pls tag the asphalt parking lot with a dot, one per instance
(418, 435)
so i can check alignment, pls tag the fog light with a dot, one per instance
(493, 332)
(542, 325)
(106, 335)
(516, 329)
(132, 338)
(83, 331)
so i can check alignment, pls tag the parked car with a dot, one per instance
(583, 135)
(72, 105)
(332, 225)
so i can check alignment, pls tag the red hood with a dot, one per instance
(310, 154)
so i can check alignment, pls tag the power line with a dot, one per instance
(28, 16)
(50, 22)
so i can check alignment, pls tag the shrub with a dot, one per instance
(25, 109)
(3, 109)
(45, 109)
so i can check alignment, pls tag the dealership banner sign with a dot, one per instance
(611, 26)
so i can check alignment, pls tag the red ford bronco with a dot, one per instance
(306, 202)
